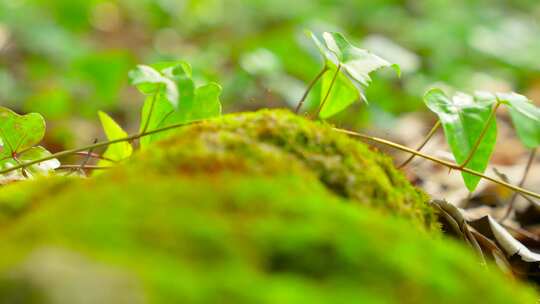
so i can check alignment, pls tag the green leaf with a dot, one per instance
(205, 105)
(119, 151)
(463, 118)
(524, 114)
(19, 134)
(171, 68)
(181, 73)
(195, 104)
(150, 81)
(356, 62)
(31, 154)
(342, 95)
(355, 65)
(162, 109)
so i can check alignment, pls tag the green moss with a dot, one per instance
(274, 140)
(221, 216)
(18, 198)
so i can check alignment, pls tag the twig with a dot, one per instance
(309, 88)
(439, 161)
(503, 177)
(85, 161)
(428, 137)
(521, 183)
(96, 156)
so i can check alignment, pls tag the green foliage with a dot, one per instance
(151, 82)
(191, 104)
(238, 217)
(341, 92)
(116, 152)
(463, 119)
(279, 138)
(55, 42)
(353, 66)
(524, 114)
(19, 136)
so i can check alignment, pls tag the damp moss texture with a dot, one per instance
(261, 207)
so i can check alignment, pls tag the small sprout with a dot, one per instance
(348, 72)
(193, 103)
(469, 129)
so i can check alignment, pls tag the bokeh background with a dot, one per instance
(67, 59)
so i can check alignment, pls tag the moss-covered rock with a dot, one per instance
(277, 140)
(230, 211)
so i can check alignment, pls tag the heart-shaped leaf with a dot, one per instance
(463, 119)
(524, 114)
(31, 154)
(19, 134)
(119, 151)
(203, 105)
(353, 63)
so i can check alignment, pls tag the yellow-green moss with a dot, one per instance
(19, 198)
(221, 215)
(277, 140)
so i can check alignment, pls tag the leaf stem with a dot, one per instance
(445, 163)
(428, 137)
(482, 134)
(94, 146)
(329, 90)
(521, 183)
(309, 88)
(152, 106)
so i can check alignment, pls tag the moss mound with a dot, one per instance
(236, 217)
(277, 140)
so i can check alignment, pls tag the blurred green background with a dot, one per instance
(69, 58)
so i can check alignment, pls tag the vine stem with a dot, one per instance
(89, 167)
(521, 183)
(309, 88)
(445, 163)
(482, 134)
(329, 90)
(86, 159)
(423, 144)
(96, 156)
(93, 146)
(351, 133)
